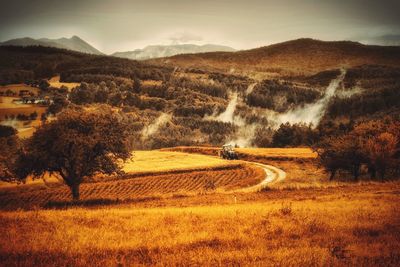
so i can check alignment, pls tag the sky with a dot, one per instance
(122, 25)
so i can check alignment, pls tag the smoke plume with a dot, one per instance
(250, 88)
(310, 113)
(153, 127)
(245, 132)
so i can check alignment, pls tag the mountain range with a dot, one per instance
(74, 43)
(295, 57)
(152, 51)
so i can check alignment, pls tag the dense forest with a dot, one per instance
(195, 106)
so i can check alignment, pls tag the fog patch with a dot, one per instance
(349, 93)
(153, 127)
(244, 135)
(228, 114)
(245, 132)
(250, 88)
(310, 113)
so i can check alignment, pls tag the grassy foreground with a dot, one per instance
(341, 225)
(303, 221)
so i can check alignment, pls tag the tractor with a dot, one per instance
(227, 152)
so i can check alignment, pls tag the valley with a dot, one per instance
(122, 162)
(200, 133)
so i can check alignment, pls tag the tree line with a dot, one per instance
(374, 144)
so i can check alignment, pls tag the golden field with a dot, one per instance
(266, 153)
(25, 128)
(55, 82)
(352, 225)
(156, 161)
(170, 218)
(301, 153)
(147, 174)
(16, 88)
(8, 107)
(132, 188)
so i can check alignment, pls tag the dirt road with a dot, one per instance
(272, 175)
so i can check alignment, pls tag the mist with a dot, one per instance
(310, 113)
(153, 127)
(245, 132)
(228, 114)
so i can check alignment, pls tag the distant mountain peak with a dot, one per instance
(74, 43)
(76, 37)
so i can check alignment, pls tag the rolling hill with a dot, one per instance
(296, 57)
(189, 106)
(157, 51)
(74, 43)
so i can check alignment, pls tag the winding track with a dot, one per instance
(140, 187)
(272, 175)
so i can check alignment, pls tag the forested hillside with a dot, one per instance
(296, 57)
(170, 105)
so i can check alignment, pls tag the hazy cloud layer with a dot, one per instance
(126, 25)
(184, 37)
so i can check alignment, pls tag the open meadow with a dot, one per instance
(351, 225)
(157, 161)
(147, 174)
(9, 111)
(173, 218)
(55, 83)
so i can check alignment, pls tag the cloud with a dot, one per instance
(184, 37)
(388, 39)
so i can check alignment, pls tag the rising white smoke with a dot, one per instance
(313, 112)
(250, 88)
(228, 114)
(153, 127)
(244, 136)
(348, 93)
(310, 113)
(245, 133)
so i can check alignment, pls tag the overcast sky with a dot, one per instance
(126, 25)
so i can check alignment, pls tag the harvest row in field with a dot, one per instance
(124, 189)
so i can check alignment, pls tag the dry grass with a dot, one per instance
(6, 102)
(151, 83)
(245, 153)
(148, 163)
(300, 153)
(129, 189)
(300, 164)
(25, 128)
(55, 82)
(157, 161)
(170, 219)
(20, 109)
(340, 227)
(18, 87)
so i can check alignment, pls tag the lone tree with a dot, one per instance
(79, 144)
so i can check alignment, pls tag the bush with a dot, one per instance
(374, 143)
